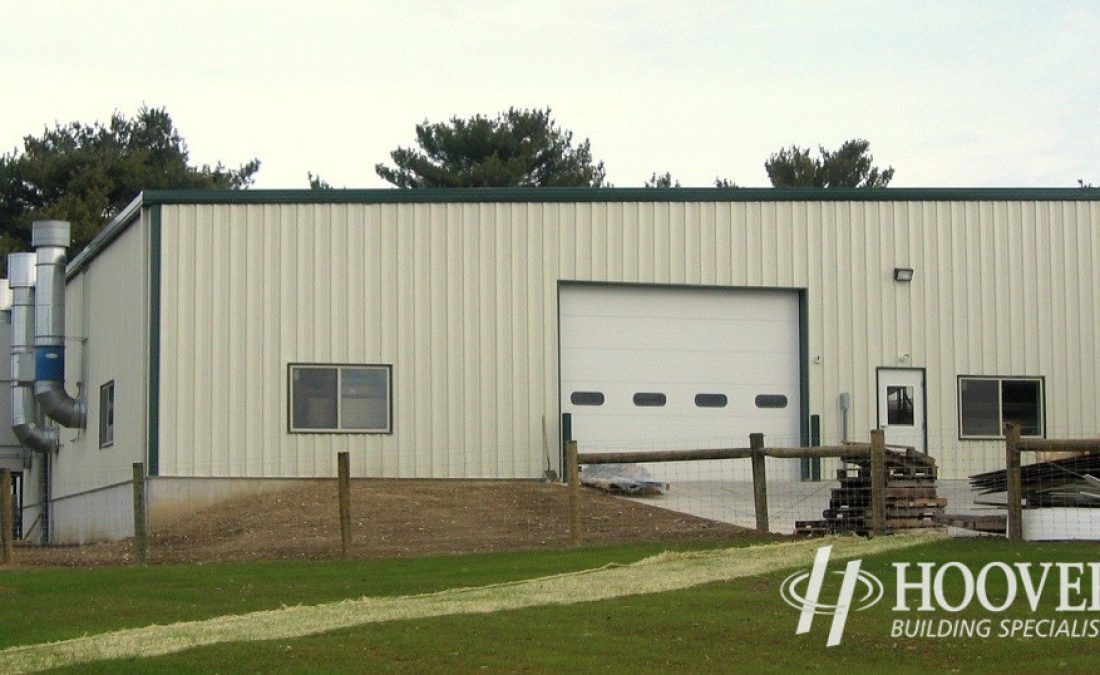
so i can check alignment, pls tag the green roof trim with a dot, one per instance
(484, 195)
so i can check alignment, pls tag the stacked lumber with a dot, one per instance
(1074, 481)
(911, 501)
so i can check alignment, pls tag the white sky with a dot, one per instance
(949, 93)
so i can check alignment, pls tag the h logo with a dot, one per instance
(802, 590)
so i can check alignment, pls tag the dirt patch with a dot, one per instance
(394, 518)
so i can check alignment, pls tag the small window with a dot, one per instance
(986, 404)
(649, 400)
(711, 400)
(899, 406)
(340, 399)
(771, 401)
(107, 414)
(586, 398)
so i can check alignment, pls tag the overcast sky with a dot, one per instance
(949, 93)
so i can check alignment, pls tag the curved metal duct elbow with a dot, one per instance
(25, 417)
(50, 238)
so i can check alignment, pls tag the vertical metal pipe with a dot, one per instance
(50, 238)
(25, 418)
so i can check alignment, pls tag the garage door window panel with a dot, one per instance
(711, 400)
(650, 400)
(586, 398)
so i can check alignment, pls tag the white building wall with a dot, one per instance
(106, 327)
(462, 299)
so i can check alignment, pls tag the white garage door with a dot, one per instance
(645, 368)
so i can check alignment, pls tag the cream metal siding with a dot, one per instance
(461, 298)
(106, 328)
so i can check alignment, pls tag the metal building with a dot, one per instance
(235, 340)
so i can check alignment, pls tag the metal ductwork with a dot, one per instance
(50, 238)
(26, 422)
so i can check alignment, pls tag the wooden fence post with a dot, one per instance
(1014, 488)
(878, 482)
(574, 474)
(759, 482)
(141, 543)
(7, 518)
(343, 464)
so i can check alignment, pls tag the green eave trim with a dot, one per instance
(481, 195)
(153, 421)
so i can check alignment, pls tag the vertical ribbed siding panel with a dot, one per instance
(616, 234)
(341, 315)
(418, 358)
(271, 424)
(1073, 353)
(551, 255)
(498, 463)
(1086, 303)
(708, 243)
(723, 259)
(520, 442)
(488, 313)
(206, 321)
(236, 318)
(678, 242)
(454, 298)
(630, 242)
(434, 317)
(538, 415)
(824, 317)
(471, 337)
(361, 345)
(1090, 291)
(404, 361)
(820, 378)
(177, 289)
(289, 283)
(1060, 317)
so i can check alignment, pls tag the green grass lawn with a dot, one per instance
(40, 605)
(741, 624)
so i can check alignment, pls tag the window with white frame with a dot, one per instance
(340, 399)
(986, 404)
(107, 414)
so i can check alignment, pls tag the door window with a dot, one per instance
(899, 406)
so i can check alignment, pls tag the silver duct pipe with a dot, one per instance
(25, 419)
(5, 300)
(50, 238)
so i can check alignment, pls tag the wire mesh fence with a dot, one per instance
(945, 481)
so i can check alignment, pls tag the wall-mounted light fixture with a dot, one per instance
(903, 274)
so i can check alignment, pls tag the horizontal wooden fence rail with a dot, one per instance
(1014, 488)
(853, 450)
(756, 451)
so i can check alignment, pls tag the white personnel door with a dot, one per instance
(657, 368)
(901, 406)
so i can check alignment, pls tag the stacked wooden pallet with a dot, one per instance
(911, 501)
(1072, 481)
